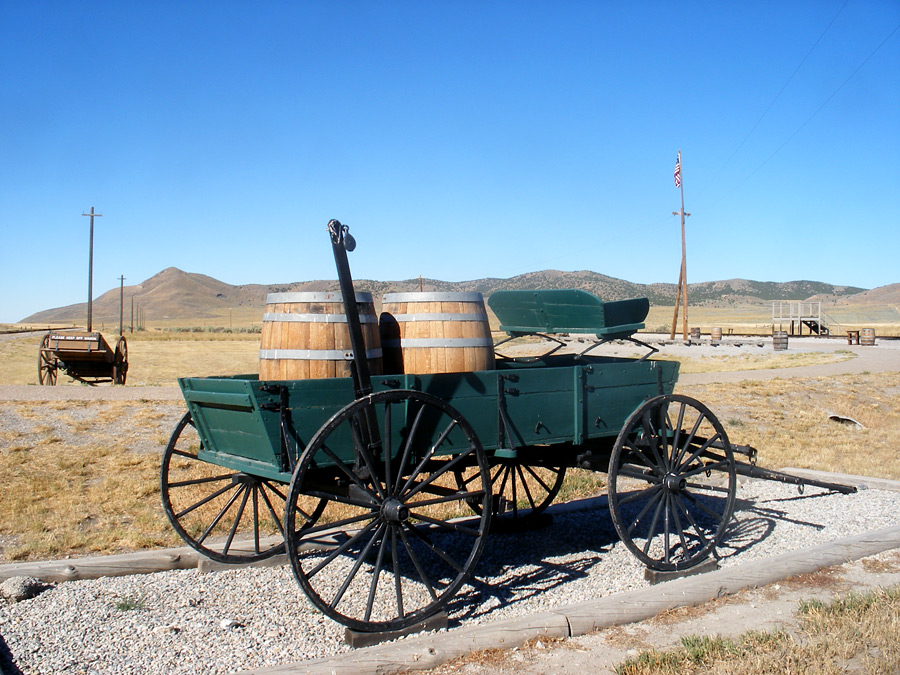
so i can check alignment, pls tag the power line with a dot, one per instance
(777, 96)
(810, 118)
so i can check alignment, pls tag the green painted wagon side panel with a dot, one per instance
(544, 405)
(234, 430)
(567, 311)
(615, 390)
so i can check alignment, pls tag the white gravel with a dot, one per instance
(187, 622)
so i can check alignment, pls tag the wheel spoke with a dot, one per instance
(340, 549)
(525, 487)
(347, 472)
(700, 506)
(537, 478)
(270, 508)
(359, 561)
(628, 473)
(690, 440)
(207, 499)
(436, 474)
(407, 448)
(650, 502)
(650, 465)
(237, 520)
(415, 561)
(652, 531)
(386, 448)
(429, 454)
(687, 514)
(376, 573)
(434, 549)
(639, 495)
(447, 525)
(678, 528)
(201, 481)
(455, 497)
(220, 515)
(362, 450)
(703, 448)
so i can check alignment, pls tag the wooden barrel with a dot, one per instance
(715, 334)
(779, 340)
(305, 336)
(867, 337)
(435, 333)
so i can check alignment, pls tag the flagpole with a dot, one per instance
(682, 276)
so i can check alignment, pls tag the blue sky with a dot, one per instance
(458, 140)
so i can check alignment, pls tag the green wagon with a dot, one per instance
(382, 489)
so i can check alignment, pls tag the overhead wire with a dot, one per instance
(773, 101)
(815, 112)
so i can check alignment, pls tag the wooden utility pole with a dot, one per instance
(91, 270)
(121, 304)
(682, 294)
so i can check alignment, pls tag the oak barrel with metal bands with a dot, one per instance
(867, 337)
(433, 332)
(305, 336)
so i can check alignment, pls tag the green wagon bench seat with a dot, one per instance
(567, 311)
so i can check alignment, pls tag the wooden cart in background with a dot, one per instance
(83, 356)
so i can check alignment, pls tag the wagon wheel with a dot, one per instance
(520, 490)
(120, 365)
(226, 515)
(47, 363)
(682, 475)
(389, 549)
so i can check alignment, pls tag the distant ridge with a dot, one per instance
(176, 294)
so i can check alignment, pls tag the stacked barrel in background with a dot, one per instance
(305, 336)
(433, 332)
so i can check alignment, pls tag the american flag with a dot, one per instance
(678, 171)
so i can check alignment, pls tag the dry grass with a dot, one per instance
(75, 487)
(855, 633)
(787, 421)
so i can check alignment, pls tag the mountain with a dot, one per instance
(175, 294)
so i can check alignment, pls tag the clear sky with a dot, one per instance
(458, 140)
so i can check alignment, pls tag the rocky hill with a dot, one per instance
(174, 293)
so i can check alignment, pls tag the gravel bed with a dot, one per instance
(187, 622)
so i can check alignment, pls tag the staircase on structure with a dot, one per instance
(796, 315)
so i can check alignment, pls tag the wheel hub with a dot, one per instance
(395, 511)
(674, 483)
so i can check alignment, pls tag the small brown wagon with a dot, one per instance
(83, 356)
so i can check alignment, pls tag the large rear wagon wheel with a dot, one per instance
(228, 516)
(48, 364)
(394, 544)
(671, 483)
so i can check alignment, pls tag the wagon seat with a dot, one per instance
(546, 313)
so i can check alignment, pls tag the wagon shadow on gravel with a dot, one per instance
(754, 522)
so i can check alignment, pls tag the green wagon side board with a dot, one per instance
(556, 401)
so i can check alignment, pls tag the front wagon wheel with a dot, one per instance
(228, 516)
(396, 540)
(671, 483)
